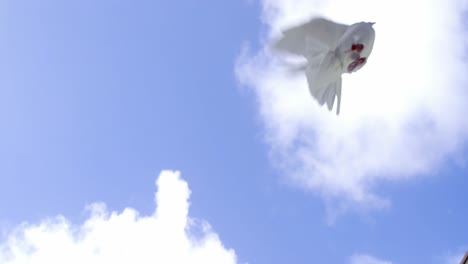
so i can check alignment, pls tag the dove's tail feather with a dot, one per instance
(338, 95)
(326, 94)
(324, 79)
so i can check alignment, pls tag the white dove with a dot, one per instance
(331, 49)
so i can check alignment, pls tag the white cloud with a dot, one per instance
(366, 259)
(402, 115)
(126, 237)
(454, 258)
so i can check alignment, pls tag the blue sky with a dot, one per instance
(97, 98)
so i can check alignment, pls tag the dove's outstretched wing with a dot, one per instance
(318, 33)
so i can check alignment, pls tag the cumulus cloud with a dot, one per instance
(366, 259)
(167, 236)
(401, 117)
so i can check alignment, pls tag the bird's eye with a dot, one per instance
(357, 47)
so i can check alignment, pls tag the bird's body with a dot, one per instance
(331, 49)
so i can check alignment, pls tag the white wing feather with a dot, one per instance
(324, 85)
(318, 32)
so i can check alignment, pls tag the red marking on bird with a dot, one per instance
(353, 65)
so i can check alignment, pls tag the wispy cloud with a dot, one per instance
(402, 115)
(167, 236)
(454, 257)
(366, 259)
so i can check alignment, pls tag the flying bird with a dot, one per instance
(330, 49)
